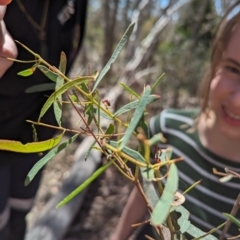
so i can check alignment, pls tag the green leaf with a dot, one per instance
(133, 105)
(60, 91)
(89, 150)
(162, 208)
(157, 82)
(130, 90)
(43, 161)
(41, 88)
(136, 116)
(84, 185)
(57, 105)
(151, 191)
(110, 129)
(134, 154)
(48, 73)
(27, 72)
(232, 219)
(115, 54)
(74, 98)
(34, 147)
(183, 221)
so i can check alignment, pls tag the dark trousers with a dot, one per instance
(16, 199)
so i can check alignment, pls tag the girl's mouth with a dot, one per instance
(231, 117)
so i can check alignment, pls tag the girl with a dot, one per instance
(214, 144)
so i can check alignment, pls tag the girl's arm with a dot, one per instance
(133, 212)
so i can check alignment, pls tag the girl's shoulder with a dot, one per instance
(173, 118)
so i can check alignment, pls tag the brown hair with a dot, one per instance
(221, 40)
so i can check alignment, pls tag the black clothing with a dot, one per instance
(64, 32)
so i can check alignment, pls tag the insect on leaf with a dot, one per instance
(43, 161)
(84, 185)
(115, 54)
(27, 72)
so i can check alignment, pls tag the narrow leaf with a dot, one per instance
(27, 72)
(89, 150)
(57, 105)
(130, 90)
(162, 208)
(132, 153)
(84, 185)
(157, 82)
(115, 54)
(136, 116)
(43, 161)
(40, 88)
(132, 105)
(60, 91)
(34, 147)
(232, 219)
(110, 129)
(48, 73)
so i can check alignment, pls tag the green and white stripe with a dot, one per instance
(206, 201)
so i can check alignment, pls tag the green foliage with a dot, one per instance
(160, 195)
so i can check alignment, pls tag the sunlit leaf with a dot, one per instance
(49, 73)
(27, 72)
(43, 161)
(84, 185)
(115, 54)
(162, 208)
(41, 88)
(33, 147)
(60, 91)
(136, 116)
(133, 105)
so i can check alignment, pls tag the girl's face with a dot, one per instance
(224, 100)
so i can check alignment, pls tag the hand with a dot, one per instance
(5, 2)
(8, 47)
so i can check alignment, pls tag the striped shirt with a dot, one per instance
(208, 200)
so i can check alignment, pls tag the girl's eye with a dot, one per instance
(232, 69)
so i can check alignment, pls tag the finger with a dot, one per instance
(2, 11)
(5, 2)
